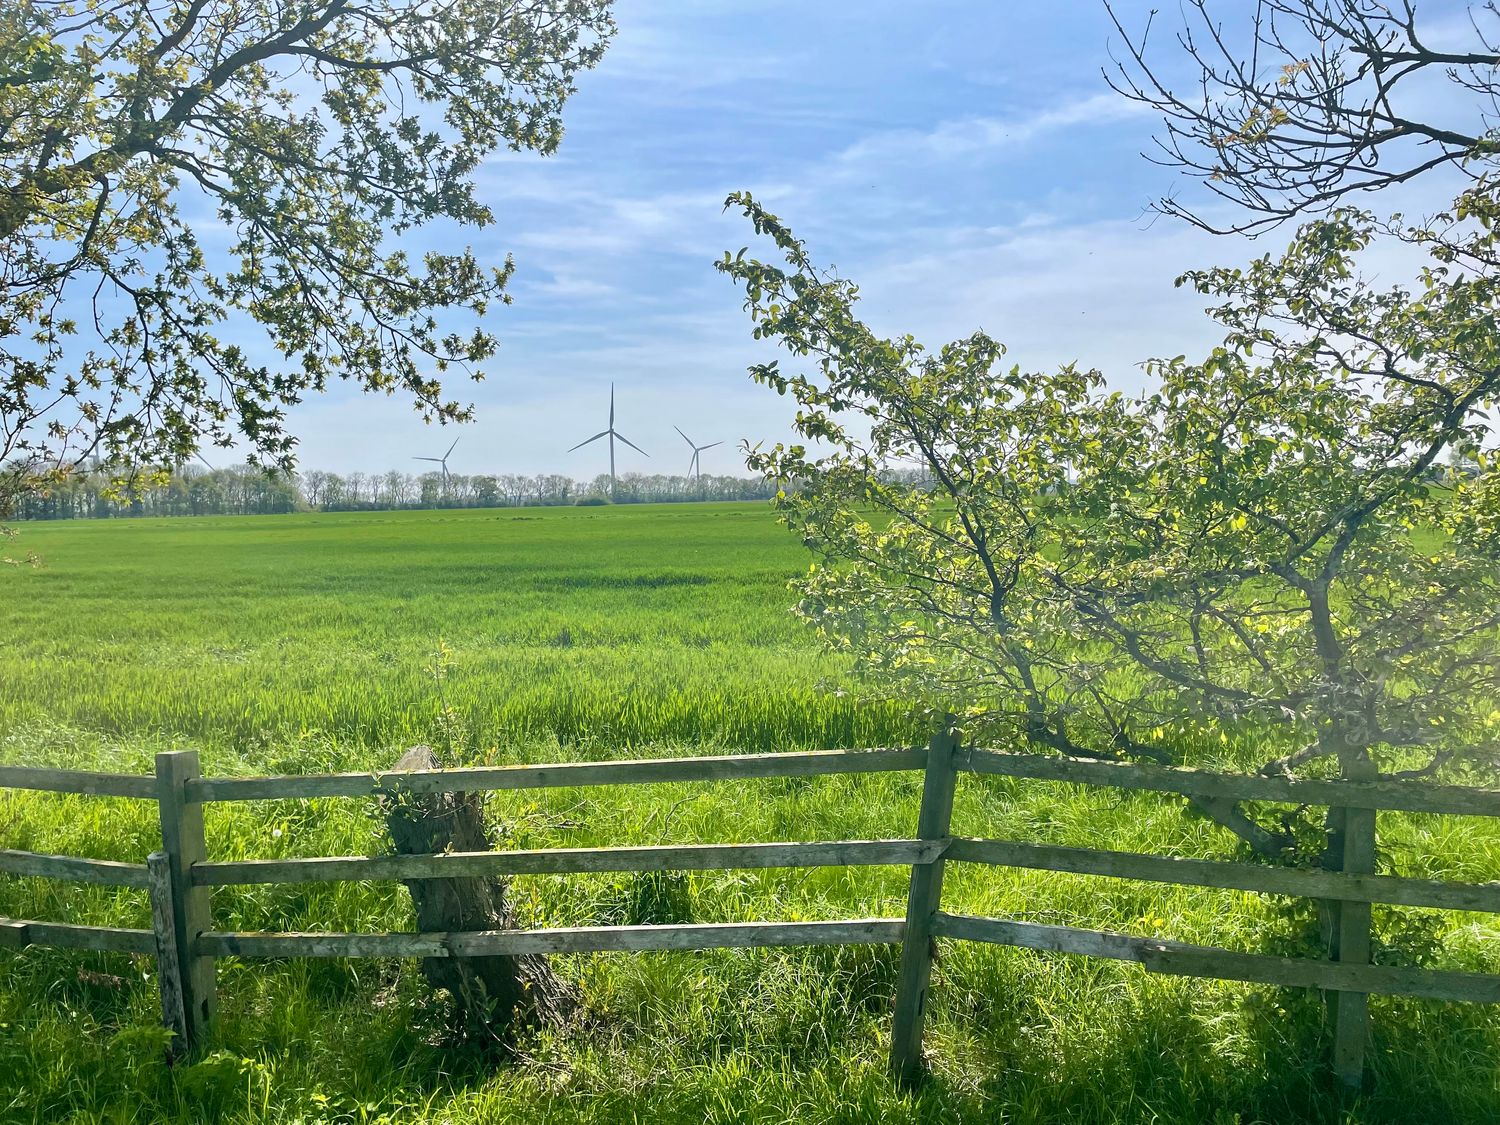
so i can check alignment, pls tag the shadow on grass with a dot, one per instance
(1043, 1039)
(765, 1037)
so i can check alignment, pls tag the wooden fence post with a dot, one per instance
(168, 962)
(1352, 944)
(922, 902)
(184, 844)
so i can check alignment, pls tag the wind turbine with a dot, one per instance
(611, 433)
(695, 466)
(443, 461)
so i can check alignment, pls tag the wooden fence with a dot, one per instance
(180, 876)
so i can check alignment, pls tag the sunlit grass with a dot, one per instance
(615, 626)
(305, 644)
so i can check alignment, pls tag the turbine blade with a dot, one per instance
(596, 437)
(451, 448)
(611, 406)
(632, 445)
(701, 448)
(685, 437)
(434, 460)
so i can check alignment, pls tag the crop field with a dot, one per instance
(624, 627)
(318, 642)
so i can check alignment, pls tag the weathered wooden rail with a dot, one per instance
(180, 877)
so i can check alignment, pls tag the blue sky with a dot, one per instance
(963, 160)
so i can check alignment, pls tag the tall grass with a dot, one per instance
(306, 644)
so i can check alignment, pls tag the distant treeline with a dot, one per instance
(99, 493)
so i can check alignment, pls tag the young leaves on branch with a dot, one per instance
(1265, 558)
(179, 181)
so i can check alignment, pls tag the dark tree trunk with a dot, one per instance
(493, 996)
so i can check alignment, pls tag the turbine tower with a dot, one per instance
(611, 433)
(695, 466)
(443, 461)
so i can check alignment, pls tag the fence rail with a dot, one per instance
(180, 877)
(18, 934)
(1393, 890)
(736, 767)
(563, 861)
(81, 782)
(577, 939)
(107, 872)
(1183, 959)
(1396, 796)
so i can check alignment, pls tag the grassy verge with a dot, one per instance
(757, 1036)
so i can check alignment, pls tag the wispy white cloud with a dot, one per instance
(676, 52)
(970, 136)
(574, 287)
(598, 227)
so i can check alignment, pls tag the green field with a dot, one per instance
(616, 626)
(306, 643)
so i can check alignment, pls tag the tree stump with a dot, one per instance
(494, 995)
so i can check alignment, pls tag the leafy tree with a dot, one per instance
(172, 178)
(314, 482)
(1266, 559)
(1263, 556)
(398, 489)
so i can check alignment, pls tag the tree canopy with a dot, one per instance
(1284, 555)
(210, 208)
(1264, 560)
